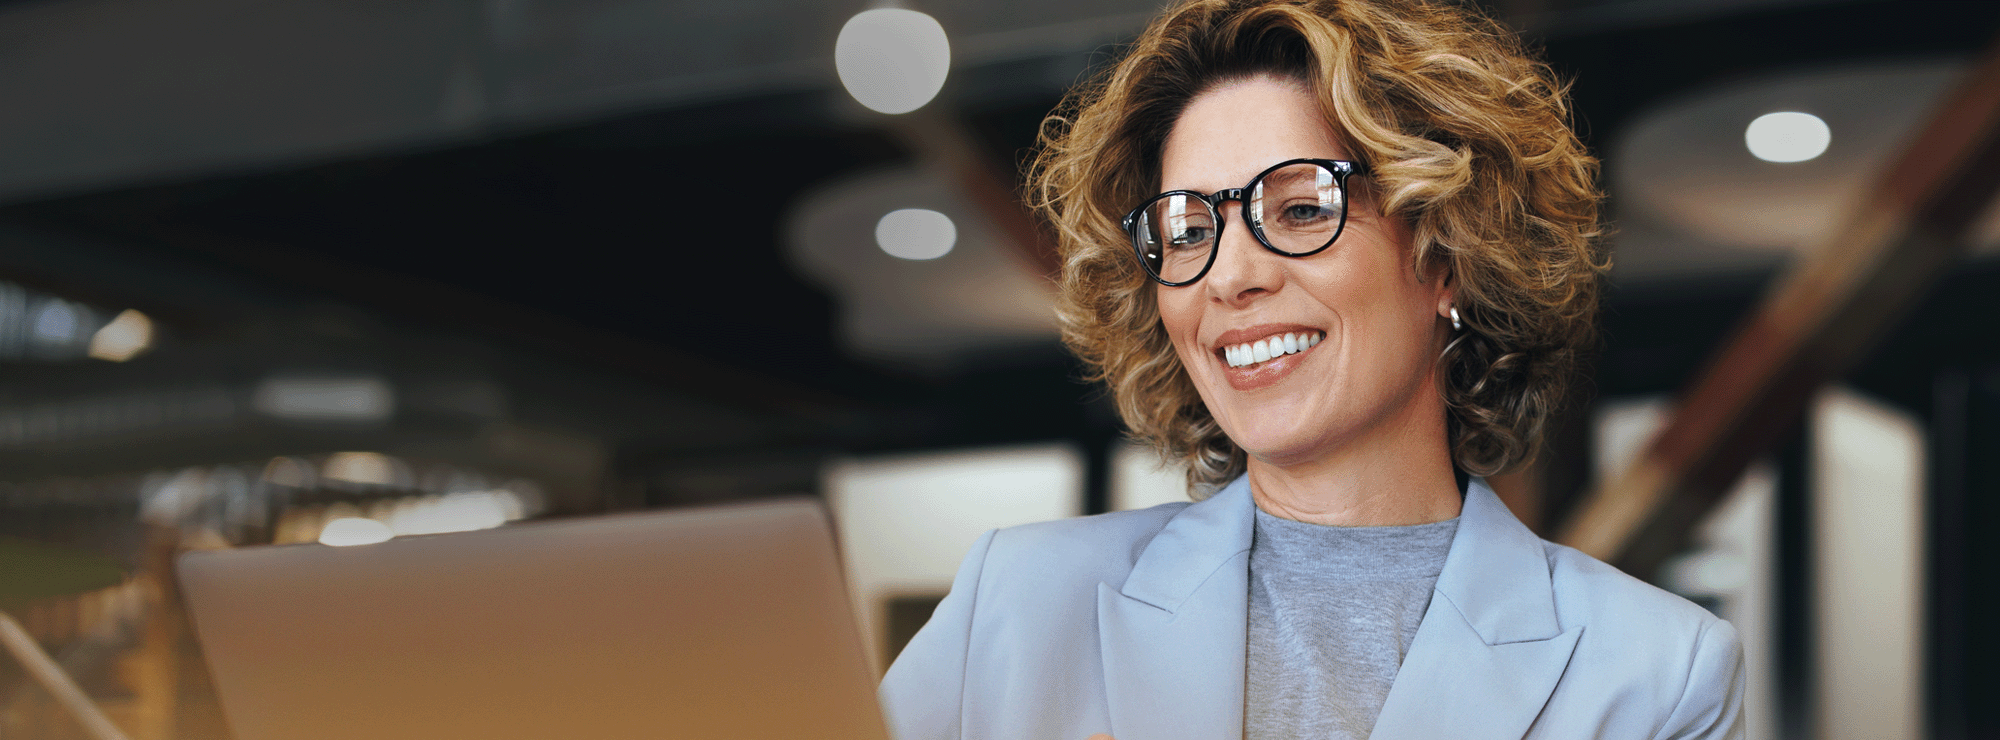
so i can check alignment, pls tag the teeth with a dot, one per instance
(1263, 350)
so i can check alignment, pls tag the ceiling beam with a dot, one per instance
(1819, 319)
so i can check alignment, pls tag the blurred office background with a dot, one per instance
(330, 271)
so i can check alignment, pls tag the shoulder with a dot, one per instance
(1049, 572)
(1643, 647)
(1603, 598)
(1030, 592)
(1091, 549)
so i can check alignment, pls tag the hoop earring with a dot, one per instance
(1456, 324)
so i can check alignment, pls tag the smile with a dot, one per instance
(1265, 350)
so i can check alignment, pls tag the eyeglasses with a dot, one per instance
(1296, 208)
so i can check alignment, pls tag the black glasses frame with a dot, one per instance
(1341, 169)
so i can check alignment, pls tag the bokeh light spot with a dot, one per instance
(354, 530)
(892, 60)
(1788, 136)
(916, 234)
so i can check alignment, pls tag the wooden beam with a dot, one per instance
(1522, 490)
(1817, 321)
(156, 689)
(51, 676)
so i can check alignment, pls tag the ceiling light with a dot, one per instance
(916, 234)
(124, 338)
(1787, 137)
(891, 59)
(55, 323)
(358, 399)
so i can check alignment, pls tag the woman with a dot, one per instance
(1337, 257)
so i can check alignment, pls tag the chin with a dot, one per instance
(1280, 443)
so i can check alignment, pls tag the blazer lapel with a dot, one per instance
(1173, 634)
(1489, 651)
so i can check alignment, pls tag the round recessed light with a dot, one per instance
(891, 59)
(1789, 136)
(916, 234)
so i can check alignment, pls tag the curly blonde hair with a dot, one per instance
(1469, 141)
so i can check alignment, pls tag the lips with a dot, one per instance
(1251, 353)
(1260, 356)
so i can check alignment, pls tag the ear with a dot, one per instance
(1447, 291)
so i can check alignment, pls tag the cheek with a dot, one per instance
(1180, 317)
(1377, 315)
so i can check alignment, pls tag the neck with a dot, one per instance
(1398, 474)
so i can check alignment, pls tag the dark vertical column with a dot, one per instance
(1946, 557)
(1096, 447)
(1979, 600)
(1794, 631)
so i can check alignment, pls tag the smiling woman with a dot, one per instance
(1471, 150)
(1369, 389)
(1339, 258)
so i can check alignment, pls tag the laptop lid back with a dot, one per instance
(726, 622)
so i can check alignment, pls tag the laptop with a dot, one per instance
(726, 622)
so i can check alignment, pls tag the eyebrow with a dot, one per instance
(1282, 177)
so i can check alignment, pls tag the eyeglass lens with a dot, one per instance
(1297, 209)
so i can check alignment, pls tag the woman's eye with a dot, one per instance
(1306, 212)
(1193, 236)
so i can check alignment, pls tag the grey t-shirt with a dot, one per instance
(1332, 613)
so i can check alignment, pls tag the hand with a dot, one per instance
(1099, 736)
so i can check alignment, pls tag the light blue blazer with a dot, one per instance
(1133, 624)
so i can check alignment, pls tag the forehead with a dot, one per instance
(1233, 131)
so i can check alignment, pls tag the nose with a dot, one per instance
(1244, 270)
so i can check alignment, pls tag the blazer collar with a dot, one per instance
(1496, 573)
(1173, 635)
(1489, 643)
(1199, 539)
